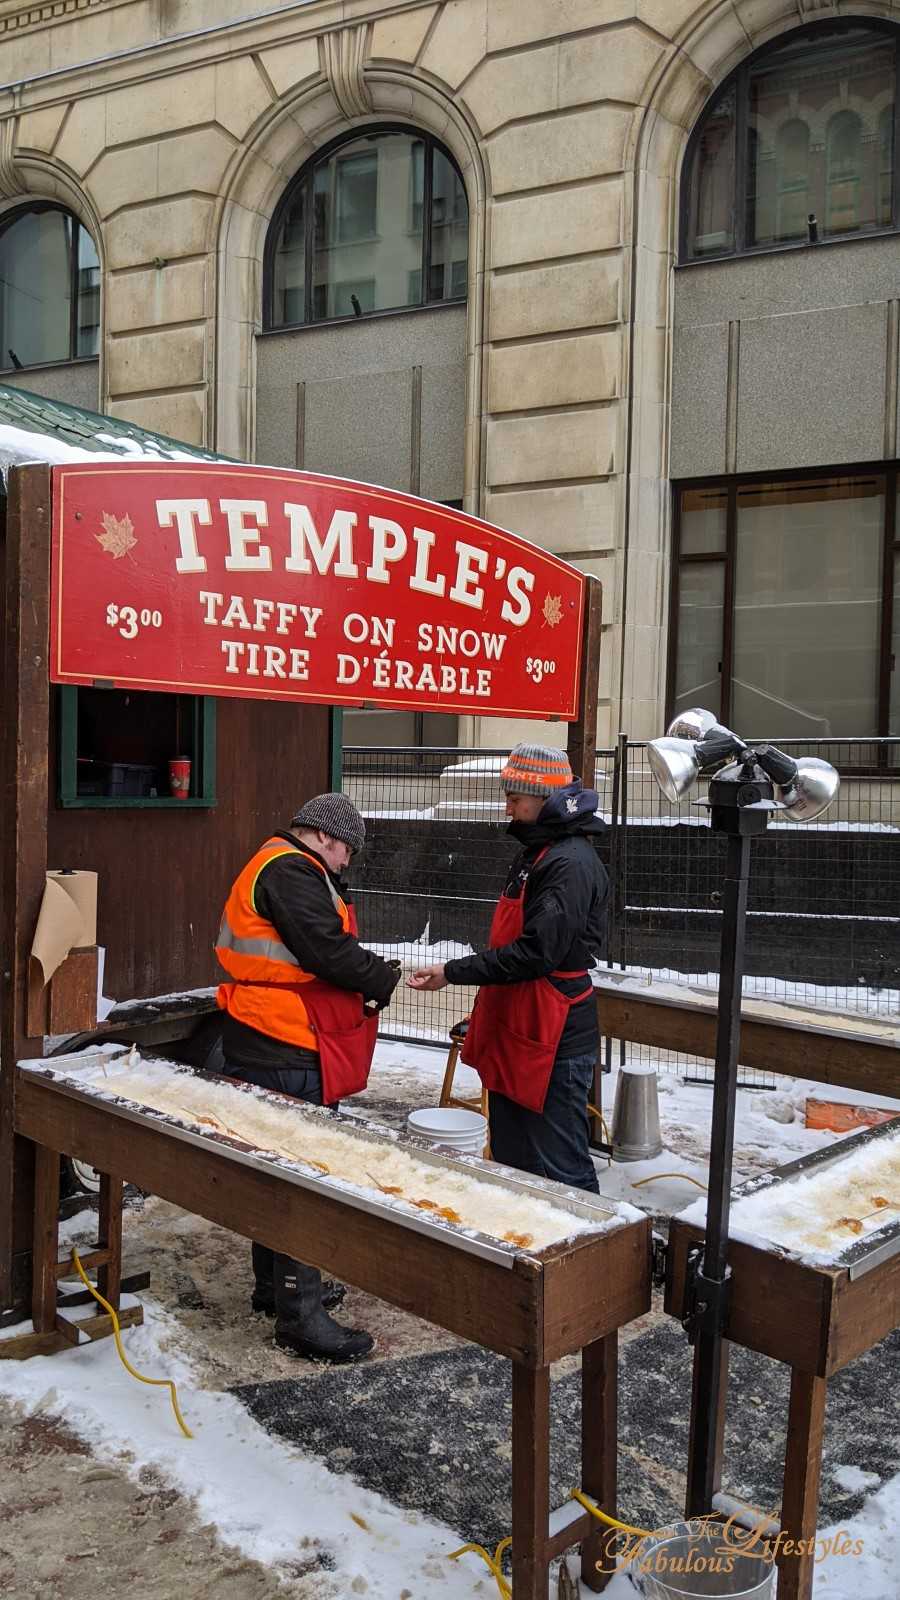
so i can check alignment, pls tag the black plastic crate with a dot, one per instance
(131, 780)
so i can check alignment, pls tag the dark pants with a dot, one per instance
(553, 1143)
(296, 1288)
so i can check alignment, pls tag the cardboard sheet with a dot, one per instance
(67, 919)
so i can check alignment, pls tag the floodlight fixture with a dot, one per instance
(697, 745)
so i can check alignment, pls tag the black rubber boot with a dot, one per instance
(303, 1326)
(263, 1297)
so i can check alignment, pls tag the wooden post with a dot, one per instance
(582, 741)
(46, 1238)
(23, 841)
(802, 1470)
(530, 1480)
(599, 1446)
(109, 1237)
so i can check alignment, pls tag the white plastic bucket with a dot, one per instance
(465, 1131)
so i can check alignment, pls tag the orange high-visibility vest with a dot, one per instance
(266, 991)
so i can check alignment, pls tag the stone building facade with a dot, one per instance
(581, 367)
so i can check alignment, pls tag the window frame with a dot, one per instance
(303, 183)
(889, 471)
(8, 221)
(68, 798)
(739, 80)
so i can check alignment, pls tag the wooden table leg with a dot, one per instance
(800, 1495)
(449, 1070)
(530, 1480)
(46, 1238)
(109, 1277)
(599, 1448)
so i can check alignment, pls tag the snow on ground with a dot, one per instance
(267, 1500)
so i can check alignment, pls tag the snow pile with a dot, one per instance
(857, 1001)
(448, 1195)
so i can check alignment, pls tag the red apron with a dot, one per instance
(345, 1034)
(515, 1028)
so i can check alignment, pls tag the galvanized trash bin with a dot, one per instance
(697, 1561)
(635, 1121)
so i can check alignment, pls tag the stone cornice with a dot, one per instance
(158, 56)
(16, 18)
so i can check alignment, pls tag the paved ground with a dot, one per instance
(73, 1528)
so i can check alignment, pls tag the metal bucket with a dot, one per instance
(697, 1561)
(636, 1132)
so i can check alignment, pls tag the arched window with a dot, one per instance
(377, 222)
(49, 288)
(803, 129)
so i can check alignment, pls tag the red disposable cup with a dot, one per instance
(180, 777)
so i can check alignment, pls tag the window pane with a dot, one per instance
(703, 514)
(816, 142)
(449, 233)
(808, 608)
(368, 226)
(289, 264)
(698, 670)
(886, 164)
(36, 289)
(87, 342)
(711, 182)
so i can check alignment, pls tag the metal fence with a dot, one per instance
(824, 903)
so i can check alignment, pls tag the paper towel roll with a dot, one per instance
(67, 919)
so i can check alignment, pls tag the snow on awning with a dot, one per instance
(33, 428)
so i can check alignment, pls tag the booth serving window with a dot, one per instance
(378, 222)
(798, 145)
(49, 288)
(786, 604)
(122, 748)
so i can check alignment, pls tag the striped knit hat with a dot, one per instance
(335, 815)
(535, 769)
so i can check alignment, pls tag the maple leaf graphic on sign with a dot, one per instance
(552, 609)
(117, 537)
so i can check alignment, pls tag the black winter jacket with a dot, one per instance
(292, 894)
(566, 896)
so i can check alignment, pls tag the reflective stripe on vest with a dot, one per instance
(266, 979)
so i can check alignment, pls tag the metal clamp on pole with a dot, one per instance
(707, 1299)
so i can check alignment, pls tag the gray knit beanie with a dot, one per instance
(335, 815)
(536, 769)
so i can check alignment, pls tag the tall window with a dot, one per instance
(377, 223)
(49, 288)
(805, 127)
(784, 604)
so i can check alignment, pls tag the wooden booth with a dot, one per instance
(223, 613)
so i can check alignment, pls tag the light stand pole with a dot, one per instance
(743, 793)
(741, 800)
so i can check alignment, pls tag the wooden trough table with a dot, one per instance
(816, 1318)
(852, 1051)
(531, 1306)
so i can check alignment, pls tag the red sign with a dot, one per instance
(251, 581)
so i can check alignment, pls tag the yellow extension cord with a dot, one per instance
(493, 1561)
(685, 1175)
(163, 1383)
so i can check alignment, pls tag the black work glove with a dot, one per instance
(379, 1005)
